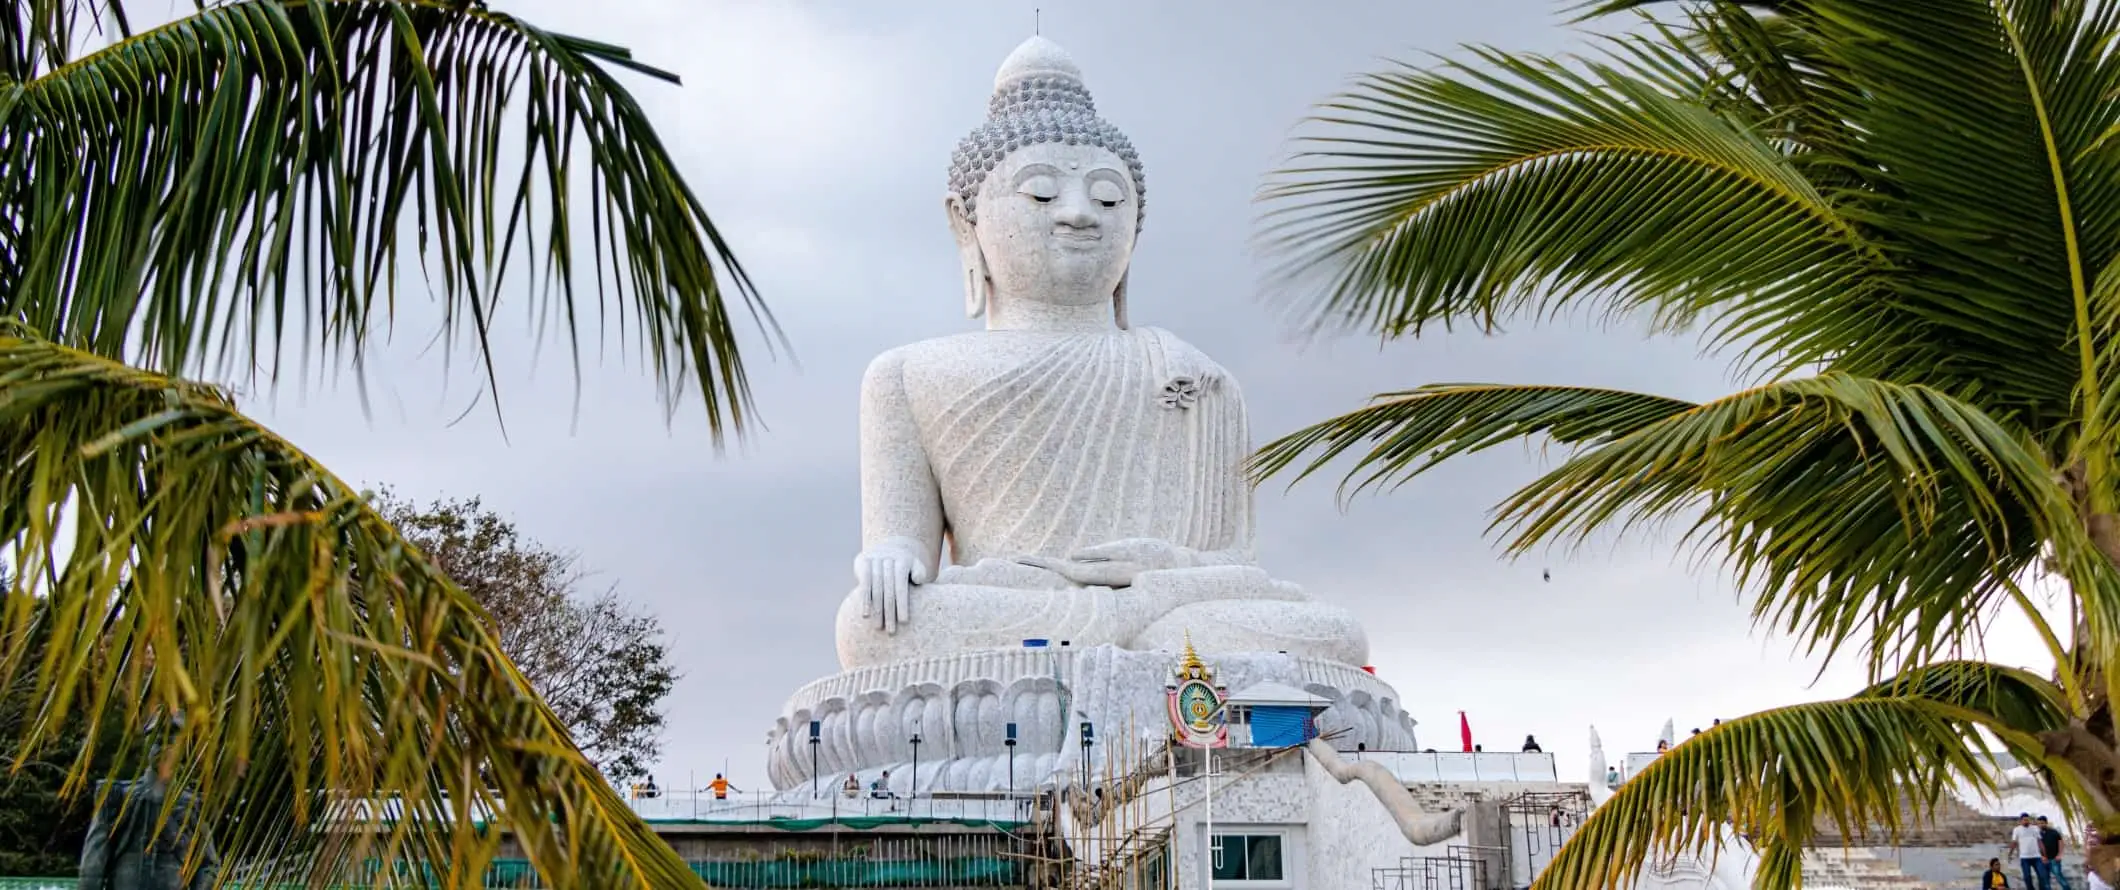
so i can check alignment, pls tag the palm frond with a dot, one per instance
(339, 696)
(1858, 763)
(38, 35)
(1978, 125)
(1934, 503)
(245, 179)
(1413, 431)
(1515, 185)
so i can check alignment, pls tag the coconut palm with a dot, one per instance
(238, 195)
(1903, 218)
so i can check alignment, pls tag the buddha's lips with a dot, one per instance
(1077, 236)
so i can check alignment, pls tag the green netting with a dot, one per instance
(964, 872)
(967, 871)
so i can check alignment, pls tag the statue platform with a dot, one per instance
(960, 707)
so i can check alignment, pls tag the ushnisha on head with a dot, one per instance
(1045, 198)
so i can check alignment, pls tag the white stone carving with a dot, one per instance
(1420, 827)
(1060, 475)
(1086, 476)
(962, 704)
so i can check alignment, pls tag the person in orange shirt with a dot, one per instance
(721, 787)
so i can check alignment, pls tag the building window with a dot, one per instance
(1248, 857)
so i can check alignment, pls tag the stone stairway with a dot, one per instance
(1858, 868)
(1957, 867)
(1949, 824)
(1946, 847)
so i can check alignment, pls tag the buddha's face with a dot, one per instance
(1057, 223)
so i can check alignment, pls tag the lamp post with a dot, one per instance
(1207, 792)
(913, 791)
(815, 733)
(1010, 743)
(1089, 737)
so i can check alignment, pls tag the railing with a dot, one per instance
(1465, 868)
(1415, 767)
(797, 806)
(1535, 825)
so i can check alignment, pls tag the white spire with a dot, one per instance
(1036, 56)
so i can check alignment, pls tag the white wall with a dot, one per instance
(1350, 832)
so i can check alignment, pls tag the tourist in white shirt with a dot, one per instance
(2025, 837)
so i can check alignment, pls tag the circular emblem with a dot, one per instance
(1196, 700)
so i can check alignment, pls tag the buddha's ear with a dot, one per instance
(1119, 301)
(977, 287)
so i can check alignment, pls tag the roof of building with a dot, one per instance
(1270, 694)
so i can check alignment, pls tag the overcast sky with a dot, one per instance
(818, 134)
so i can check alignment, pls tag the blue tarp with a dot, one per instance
(1279, 727)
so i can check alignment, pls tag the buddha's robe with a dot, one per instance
(1059, 441)
(1042, 443)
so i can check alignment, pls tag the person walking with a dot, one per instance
(2025, 837)
(2050, 854)
(1994, 878)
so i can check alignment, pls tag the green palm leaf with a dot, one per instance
(204, 195)
(1468, 194)
(245, 179)
(1928, 210)
(1857, 763)
(218, 574)
(1413, 431)
(1934, 506)
(2023, 91)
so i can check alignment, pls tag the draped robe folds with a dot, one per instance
(1041, 443)
(1084, 439)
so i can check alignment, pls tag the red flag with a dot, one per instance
(1465, 731)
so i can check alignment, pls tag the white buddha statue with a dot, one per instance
(1060, 474)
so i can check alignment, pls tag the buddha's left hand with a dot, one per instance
(1115, 563)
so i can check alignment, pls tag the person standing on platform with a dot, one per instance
(2025, 837)
(720, 787)
(2050, 854)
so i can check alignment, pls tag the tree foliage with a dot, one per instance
(599, 662)
(1906, 216)
(238, 194)
(41, 827)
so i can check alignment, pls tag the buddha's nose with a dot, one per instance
(1074, 212)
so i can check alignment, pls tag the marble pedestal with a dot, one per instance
(960, 706)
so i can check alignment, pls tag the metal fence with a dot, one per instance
(834, 806)
(1414, 767)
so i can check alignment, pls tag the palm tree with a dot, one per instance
(1904, 217)
(230, 194)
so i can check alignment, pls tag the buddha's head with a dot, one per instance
(1045, 197)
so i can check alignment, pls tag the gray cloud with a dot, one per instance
(818, 134)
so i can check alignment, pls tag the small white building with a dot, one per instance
(1257, 799)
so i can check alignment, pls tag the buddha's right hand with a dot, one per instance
(884, 576)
